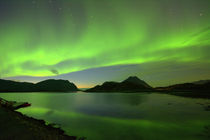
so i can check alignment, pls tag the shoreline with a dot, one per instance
(15, 126)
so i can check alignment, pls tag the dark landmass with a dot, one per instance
(13, 105)
(201, 82)
(205, 86)
(132, 84)
(199, 89)
(16, 126)
(50, 85)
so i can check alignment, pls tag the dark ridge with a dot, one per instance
(56, 85)
(193, 90)
(50, 85)
(136, 80)
(186, 87)
(131, 84)
(201, 82)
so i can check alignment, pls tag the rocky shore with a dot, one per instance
(16, 126)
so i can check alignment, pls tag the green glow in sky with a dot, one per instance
(39, 36)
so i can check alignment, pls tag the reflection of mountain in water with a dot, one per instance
(124, 99)
(119, 105)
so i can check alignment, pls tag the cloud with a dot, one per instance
(54, 71)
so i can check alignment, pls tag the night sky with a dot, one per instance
(91, 41)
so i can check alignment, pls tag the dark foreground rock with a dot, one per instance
(50, 85)
(13, 105)
(16, 126)
(131, 84)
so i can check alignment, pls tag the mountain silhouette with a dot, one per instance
(136, 80)
(50, 85)
(199, 86)
(131, 84)
(201, 82)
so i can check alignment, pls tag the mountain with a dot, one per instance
(201, 82)
(56, 85)
(194, 90)
(50, 85)
(200, 86)
(136, 80)
(131, 84)
(12, 86)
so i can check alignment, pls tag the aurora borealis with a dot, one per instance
(89, 41)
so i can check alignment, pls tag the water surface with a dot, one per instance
(120, 116)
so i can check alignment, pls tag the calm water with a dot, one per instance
(120, 116)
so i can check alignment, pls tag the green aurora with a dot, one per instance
(41, 38)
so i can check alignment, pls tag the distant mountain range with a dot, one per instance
(50, 85)
(198, 86)
(134, 84)
(201, 82)
(131, 84)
